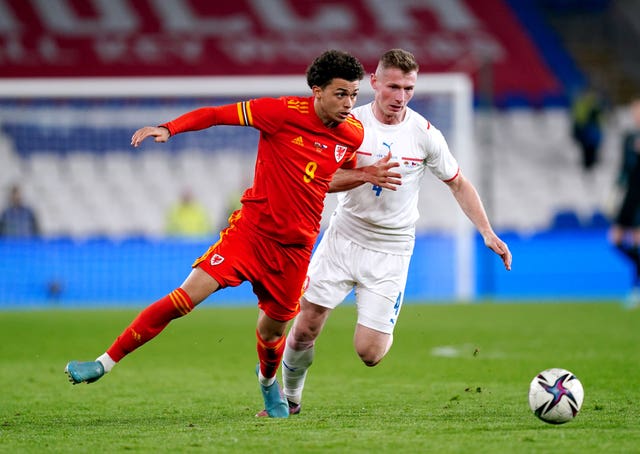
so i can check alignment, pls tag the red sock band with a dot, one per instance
(150, 322)
(270, 355)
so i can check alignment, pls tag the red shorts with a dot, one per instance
(277, 272)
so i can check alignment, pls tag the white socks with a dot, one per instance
(294, 371)
(264, 381)
(106, 361)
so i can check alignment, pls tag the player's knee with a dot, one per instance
(370, 356)
(372, 350)
(371, 362)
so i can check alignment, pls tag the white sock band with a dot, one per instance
(264, 381)
(106, 361)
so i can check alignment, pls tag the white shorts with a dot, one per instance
(339, 265)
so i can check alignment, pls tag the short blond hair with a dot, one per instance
(398, 58)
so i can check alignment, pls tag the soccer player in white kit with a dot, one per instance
(370, 239)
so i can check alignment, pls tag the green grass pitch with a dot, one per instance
(455, 381)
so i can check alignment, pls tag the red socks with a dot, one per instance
(150, 322)
(270, 355)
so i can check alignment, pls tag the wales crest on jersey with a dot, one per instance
(340, 152)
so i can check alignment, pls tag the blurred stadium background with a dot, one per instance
(102, 204)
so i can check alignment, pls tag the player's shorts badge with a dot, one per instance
(216, 259)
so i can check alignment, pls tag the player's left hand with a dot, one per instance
(380, 173)
(500, 247)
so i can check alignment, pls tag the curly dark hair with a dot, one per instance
(334, 64)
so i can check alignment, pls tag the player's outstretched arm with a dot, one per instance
(160, 133)
(378, 174)
(469, 200)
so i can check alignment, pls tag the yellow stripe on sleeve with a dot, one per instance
(244, 113)
(240, 114)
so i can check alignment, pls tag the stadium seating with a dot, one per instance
(528, 169)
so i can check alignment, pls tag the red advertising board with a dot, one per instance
(54, 38)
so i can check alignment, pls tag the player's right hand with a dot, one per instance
(160, 133)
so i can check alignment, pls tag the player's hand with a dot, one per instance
(160, 133)
(500, 247)
(380, 173)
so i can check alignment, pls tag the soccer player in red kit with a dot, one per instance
(303, 141)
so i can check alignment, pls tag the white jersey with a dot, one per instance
(381, 219)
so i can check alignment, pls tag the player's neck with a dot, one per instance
(324, 118)
(330, 124)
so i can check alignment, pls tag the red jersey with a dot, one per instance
(297, 158)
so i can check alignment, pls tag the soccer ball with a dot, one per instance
(555, 396)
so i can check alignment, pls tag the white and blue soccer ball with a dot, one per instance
(555, 396)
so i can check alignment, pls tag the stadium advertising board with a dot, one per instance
(56, 38)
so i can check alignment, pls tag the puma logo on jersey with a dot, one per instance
(216, 259)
